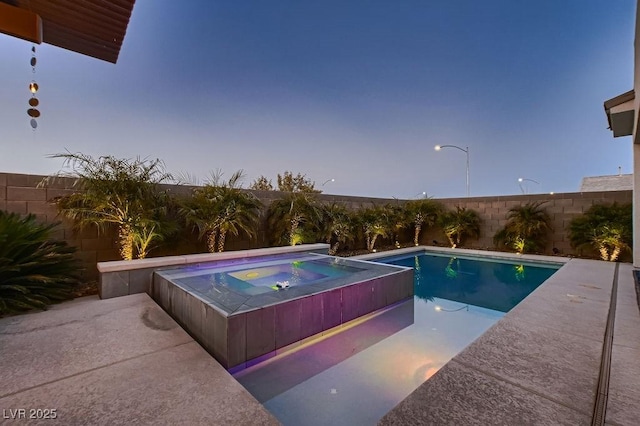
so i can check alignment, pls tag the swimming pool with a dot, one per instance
(358, 375)
(243, 310)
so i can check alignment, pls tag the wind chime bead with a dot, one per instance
(33, 88)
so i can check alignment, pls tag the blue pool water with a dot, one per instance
(498, 285)
(355, 376)
(243, 284)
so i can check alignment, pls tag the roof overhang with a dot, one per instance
(620, 113)
(94, 28)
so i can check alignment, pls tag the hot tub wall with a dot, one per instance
(237, 339)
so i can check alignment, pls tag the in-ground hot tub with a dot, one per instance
(243, 309)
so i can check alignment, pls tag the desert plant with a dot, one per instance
(294, 218)
(604, 228)
(35, 269)
(336, 226)
(222, 207)
(115, 192)
(374, 223)
(459, 224)
(423, 213)
(398, 220)
(526, 228)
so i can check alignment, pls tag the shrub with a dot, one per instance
(526, 229)
(35, 270)
(604, 228)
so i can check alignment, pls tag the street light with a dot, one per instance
(520, 180)
(327, 181)
(422, 194)
(466, 151)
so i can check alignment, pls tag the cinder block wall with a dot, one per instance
(22, 194)
(561, 207)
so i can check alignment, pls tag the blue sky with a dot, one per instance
(358, 91)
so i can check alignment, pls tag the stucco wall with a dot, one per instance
(20, 193)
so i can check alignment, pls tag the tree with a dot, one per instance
(294, 218)
(374, 222)
(219, 208)
(299, 183)
(262, 184)
(115, 192)
(526, 228)
(606, 228)
(423, 213)
(397, 218)
(337, 226)
(459, 224)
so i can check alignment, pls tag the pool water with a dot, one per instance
(497, 285)
(355, 376)
(240, 285)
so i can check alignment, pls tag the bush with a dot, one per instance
(607, 229)
(35, 270)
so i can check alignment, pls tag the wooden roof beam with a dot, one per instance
(20, 23)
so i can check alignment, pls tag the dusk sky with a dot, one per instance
(358, 91)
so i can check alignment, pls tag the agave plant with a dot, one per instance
(294, 218)
(220, 208)
(35, 269)
(460, 224)
(605, 228)
(526, 228)
(424, 213)
(115, 192)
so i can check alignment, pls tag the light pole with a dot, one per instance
(466, 151)
(422, 194)
(327, 181)
(520, 180)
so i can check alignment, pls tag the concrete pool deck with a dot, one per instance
(117, 361)
(124, 360)
(541, 363)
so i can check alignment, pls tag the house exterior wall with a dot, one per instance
(636, 146)
(22, 194)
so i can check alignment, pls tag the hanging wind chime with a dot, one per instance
(33, 88)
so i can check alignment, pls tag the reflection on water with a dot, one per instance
(493, 285)
(356, 376)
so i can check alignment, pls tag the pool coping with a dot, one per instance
(125, 277)
(540, 363)
(498, 255)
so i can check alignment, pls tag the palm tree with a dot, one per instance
(337, 226)
(239, 212)
(526, 228)
(294, 218)
(114, 192)
(460, 224)
(374, 222)
(424, 213)
(201, 212)
(221, 207)
(398, 219)
(605, 228)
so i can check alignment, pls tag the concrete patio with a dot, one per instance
(541, 363)
(112, 362)
(125, 360)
